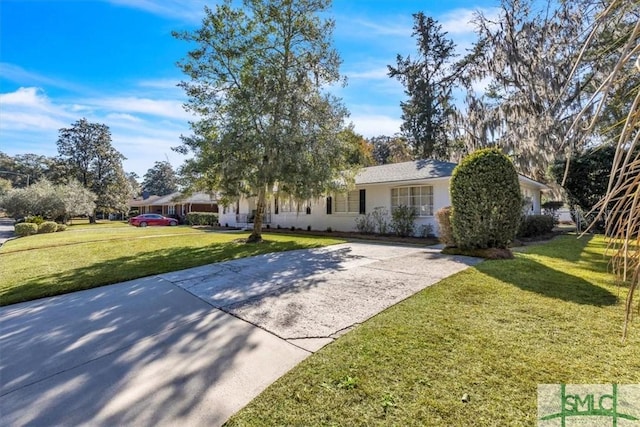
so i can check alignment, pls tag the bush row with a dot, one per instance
(530, 226)
(402, 223)
(28, 228)
(202, 218)
(535, 225)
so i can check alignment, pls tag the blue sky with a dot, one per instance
(113, 62)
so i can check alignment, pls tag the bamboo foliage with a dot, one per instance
(621, 205)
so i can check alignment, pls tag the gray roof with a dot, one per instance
(178, 198)
(406, 171)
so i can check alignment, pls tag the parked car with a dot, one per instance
(152, 219)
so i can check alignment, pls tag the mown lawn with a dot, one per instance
(85, 257)
(551, 315)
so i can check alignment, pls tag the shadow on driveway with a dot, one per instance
(143, 353)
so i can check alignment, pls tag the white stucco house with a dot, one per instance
(422, 184)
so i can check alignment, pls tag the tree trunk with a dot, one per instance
(256, 234)
(92, 218)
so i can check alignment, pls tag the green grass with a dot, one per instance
(86, 257)
(496, 331)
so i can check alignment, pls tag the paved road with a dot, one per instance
(6, 229)
(191, 348)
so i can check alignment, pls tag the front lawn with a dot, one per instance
(86, 257)
(551, 315)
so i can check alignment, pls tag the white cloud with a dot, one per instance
(169, 108)
(369, 125)
(373, 28)
(160, 84)
(21, 76)
(29, 107)
(377, 73)
(189, 11)
(143, 130)
(123, 116)
(23, 96)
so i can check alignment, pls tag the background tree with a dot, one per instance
(134, 185)
(428, 82)
(86, 150)
(5, 186)
(390, 149)
(55, 202)
(615, 34)
(160, 179)
(256, 80)
(29, 167)
(531, 98)
(585, 178)
(360, 150)
(76, 200)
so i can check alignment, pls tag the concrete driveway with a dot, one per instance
(6, 229)
(191, 348)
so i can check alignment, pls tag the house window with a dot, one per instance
(171, 210)
(419, 198)
(347, 202)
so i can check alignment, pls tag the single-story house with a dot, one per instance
(175, 204)
(422, 184)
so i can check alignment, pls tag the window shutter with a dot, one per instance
(329, 205)
(363, 202)
(275, 205)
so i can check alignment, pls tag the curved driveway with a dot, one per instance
(192, 347)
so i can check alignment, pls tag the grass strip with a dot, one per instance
(78, 261)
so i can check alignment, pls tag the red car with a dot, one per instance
(152, 219)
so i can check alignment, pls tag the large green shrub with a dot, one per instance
(486, 200)
(47, 227)
(445, 232)
(551, 208)
(60, 227)
(535, 225)
(202, 218)
(26, 229)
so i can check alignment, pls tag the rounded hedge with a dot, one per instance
(47, 227)
(25, 229)
(486, 201)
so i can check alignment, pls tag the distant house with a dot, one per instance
(175, 204)
(421, 184)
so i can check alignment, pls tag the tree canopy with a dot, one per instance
(530, 98)
(86, 150)
(390, 149)
(56, 202)
(428, 80)
(161, 179)
(265, 124)
(29, 168)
